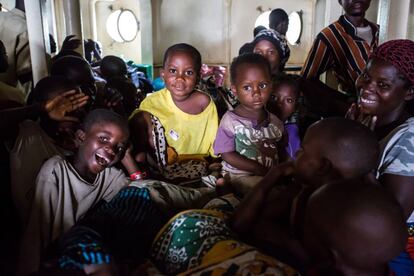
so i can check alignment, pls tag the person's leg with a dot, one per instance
(172, 198)
(242, 184)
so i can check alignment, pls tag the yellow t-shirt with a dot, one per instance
(186, 133)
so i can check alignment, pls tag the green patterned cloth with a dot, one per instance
(200, 242)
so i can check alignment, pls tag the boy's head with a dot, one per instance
(268, 44)
(50, 87)
(186, 48)
(181, 70)
(387, 83)
(355, 8)
(77, 70)
(251, 80)
(113, 66)
(353, 227)
(336, 148)
(4, 64)
(279, 21)
(103, 140)
(61, 132)
(284, 97)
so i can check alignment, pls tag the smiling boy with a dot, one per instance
(66, 189)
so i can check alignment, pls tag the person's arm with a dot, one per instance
(319, 60)
(22, 59)
(140, 127)
(135, 172)
(324, 100)
(56, 108)
(250, 209)
(397, 174)
(241, 162)
(402, 187)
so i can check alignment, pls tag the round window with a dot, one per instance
(122, 25)
(295, 28)
(263, 20)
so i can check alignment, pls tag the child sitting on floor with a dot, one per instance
(177, 122)
(353, 228)
(283, 103)
(247, 136)
(33, 141)
(66, 188)
(332, 149)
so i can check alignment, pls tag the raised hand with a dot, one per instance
(71, 43)
(58, 107)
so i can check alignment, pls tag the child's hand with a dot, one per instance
(108, 98)
(59, 106)
(354, 113)
(71, 43)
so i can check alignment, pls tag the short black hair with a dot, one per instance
(100, 115)
(184, 47)
(113, 66)
(248, 58)
(347, 203)
(288, 79)
(48, 86)
(349, 145)
(276, 17)
(72, 67)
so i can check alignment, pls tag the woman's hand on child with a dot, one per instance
(58, 107)
(354, 113)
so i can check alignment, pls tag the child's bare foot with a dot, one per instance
(223, 186)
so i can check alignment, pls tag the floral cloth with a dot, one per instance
(200, 242)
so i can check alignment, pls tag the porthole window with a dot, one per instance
(294, 31)
(263, 20)
(122, 25)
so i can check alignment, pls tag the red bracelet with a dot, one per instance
(138, 175)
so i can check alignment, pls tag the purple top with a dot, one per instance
(248, 138)
(292, 131)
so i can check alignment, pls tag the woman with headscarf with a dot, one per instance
(274, 48)
(385, 89)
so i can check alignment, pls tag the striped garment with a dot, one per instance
(337, 47)
(122, 228)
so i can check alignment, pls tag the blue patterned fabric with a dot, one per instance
(122, 228)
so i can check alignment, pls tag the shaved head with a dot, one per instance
(351, 147)
(360, 223)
